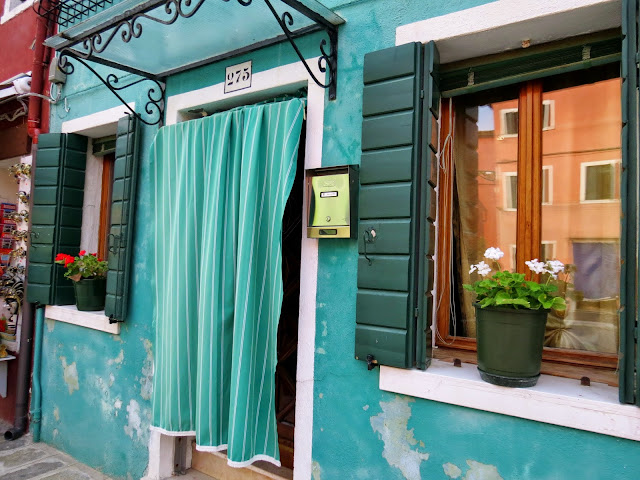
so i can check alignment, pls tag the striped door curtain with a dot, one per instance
(220, 185)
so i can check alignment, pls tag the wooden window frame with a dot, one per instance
(599, 367)
(108, 162)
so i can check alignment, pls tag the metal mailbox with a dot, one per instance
(332, 195)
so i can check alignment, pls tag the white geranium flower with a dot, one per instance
(482, 268)
(555, 266)
(493, 253)
(535, 266)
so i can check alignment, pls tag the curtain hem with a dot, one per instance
(186, 433)
(234, 464)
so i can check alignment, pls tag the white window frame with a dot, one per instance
(507, 187)
(583, 180)
(552, 119)
(96, 125)
(11, 13)
(491, 28)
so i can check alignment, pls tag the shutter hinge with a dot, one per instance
(635, 334)
(415, 312)
(421, 94)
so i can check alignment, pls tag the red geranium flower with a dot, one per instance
(82, 252)
(95, 255)
(60, 256)
(68, 259)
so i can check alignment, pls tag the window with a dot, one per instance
(598, 181)
(511, 188)
(84, 210)
(510, 215)
(14, 7)
(509, 119)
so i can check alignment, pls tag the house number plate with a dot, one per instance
(238, 77)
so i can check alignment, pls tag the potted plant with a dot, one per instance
(511, 314)
(88, 273)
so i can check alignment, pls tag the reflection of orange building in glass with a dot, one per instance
(581, 193)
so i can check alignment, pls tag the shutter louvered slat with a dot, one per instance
(629, 390)
(56, 218)
(397, 200)
(125, 174)
(385, 325)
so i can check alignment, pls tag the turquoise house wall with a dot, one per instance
(96, 386)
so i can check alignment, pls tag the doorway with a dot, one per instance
(288, 325)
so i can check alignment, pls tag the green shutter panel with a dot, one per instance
(629, 361)
(56, 218)
(395, 237)
(125, 175)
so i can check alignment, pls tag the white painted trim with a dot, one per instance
(93, 320)
(583, 180)
(93, 125)
(555, 400)
(170, 433)
(8, 15)
(282, 79)
(507, 188)
(503, 24)
(506, 185)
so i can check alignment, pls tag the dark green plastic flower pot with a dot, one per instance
(90, 293)
(510, 345)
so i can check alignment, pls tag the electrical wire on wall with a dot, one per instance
(445, 160)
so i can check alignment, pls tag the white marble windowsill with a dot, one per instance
(555, 400)
(93, 320)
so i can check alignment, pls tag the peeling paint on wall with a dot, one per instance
(70, 375)
(56, 414)
(451, 470)
(50, 324)
(146, 382)
(480, 471)
(392, 427)
(133, 417)
(315, 470)
(118, 360)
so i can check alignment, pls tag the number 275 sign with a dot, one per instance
(238, 77)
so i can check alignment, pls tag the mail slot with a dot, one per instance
(332, 195)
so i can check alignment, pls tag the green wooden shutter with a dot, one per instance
(629, 358)
(397, 202)
(125, 175)
(56, 217)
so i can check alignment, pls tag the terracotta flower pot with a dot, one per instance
(90, 293)
(510, 345)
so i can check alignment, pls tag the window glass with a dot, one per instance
(584, 220)
(484, 196)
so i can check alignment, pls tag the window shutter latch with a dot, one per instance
(371, 362)
(369, 237)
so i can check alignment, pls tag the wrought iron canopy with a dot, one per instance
(158, 38)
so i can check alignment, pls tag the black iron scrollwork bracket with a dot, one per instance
(129, 26)
(153, 108)
(327, 60)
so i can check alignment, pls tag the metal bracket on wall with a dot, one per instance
(90, 44)
(154, 107)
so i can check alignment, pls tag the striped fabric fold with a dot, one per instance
(220, 185)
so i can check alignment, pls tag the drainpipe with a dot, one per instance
(36, 391)
(37, 76)
(40, 60)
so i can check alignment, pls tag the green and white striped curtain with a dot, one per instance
(220, 185)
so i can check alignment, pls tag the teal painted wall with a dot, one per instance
(96, 387)
(359, 431)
